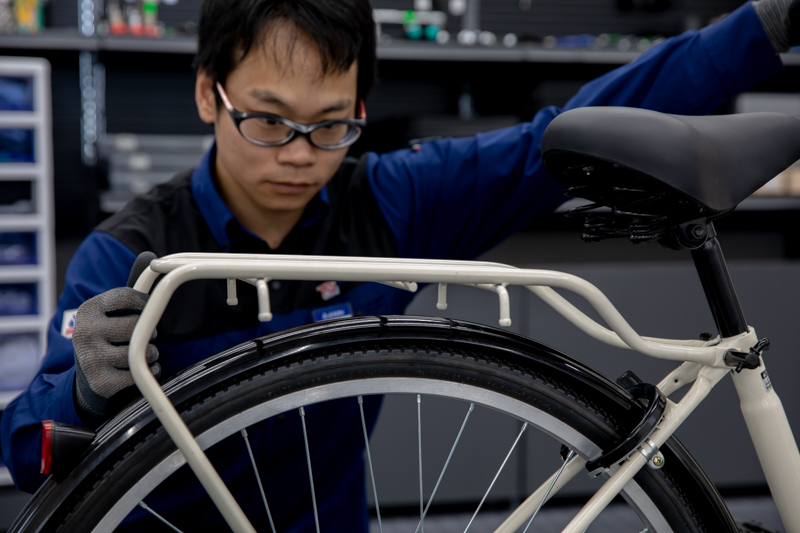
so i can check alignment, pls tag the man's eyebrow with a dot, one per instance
(268, 97)
(337, 106)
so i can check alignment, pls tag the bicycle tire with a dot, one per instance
(512, 369)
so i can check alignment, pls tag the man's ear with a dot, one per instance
(205, 97)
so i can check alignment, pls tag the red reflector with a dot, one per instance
(47, 446)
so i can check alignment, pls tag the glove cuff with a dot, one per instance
(774, 17)
(90, 406)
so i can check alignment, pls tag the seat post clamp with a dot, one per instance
(750, 360)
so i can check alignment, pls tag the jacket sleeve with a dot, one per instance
(455, 198)
(100, 263)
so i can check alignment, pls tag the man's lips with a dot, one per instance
(288, 187)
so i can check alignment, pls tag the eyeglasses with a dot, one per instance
(265, 129)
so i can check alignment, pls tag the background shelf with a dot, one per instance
(397, 50)
(27, 288)
(20, 273)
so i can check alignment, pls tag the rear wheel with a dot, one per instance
(322, 386)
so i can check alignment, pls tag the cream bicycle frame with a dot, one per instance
(702, 365)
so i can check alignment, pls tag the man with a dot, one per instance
(283, 82)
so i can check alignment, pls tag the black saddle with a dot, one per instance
(651, 164)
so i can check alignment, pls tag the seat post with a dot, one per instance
(718, 286)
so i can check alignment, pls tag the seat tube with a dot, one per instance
(773, 440)
(718, 286)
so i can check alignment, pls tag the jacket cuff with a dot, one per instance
(64, 409)
(741, 50)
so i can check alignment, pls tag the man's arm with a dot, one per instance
(691, 74)
(456, 198)
(100, 263)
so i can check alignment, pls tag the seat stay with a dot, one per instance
(674, 415)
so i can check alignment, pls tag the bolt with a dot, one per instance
(698, 231)
(658, 461)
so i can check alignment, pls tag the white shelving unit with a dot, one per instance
(39, 222)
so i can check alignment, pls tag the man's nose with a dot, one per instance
(299, 151)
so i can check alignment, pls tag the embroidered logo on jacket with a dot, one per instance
(328, 290)
(329, 313)
(68, 323)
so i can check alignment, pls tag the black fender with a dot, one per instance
(505, 346)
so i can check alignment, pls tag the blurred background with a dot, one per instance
(111, 112)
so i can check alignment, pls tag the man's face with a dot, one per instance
(280, 179)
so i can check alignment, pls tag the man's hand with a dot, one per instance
(103, 328)
(781, 22)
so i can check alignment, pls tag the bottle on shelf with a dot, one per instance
(28, 15)
(116, 20)
(7, 22)
(150, 19)
(134, 16)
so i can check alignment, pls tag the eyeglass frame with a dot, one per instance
(296, 128)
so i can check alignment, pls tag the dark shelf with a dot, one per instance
(50, 39)
(165, 45)
(527, 53)
(70, 39)
(770, 203)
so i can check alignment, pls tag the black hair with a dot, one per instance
(343, 31)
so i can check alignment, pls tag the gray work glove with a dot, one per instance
(781, 22)
(103, 328)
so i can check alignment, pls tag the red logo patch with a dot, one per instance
(328, 290)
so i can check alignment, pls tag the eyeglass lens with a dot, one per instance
(271, 131)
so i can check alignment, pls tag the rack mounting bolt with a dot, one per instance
(657, 461)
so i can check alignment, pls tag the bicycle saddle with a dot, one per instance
(701, 166)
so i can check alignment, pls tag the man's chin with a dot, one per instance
(291, 190)
(286, 204)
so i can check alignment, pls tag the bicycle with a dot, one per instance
(619, 432)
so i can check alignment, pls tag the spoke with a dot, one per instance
(310, 474)
(521, 431)
(552, 484)
(164, 520)
(258, 478)
(441, 475)
(419, 442)
(521, 514)
(369, 460)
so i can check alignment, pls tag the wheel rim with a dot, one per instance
(633, 493)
